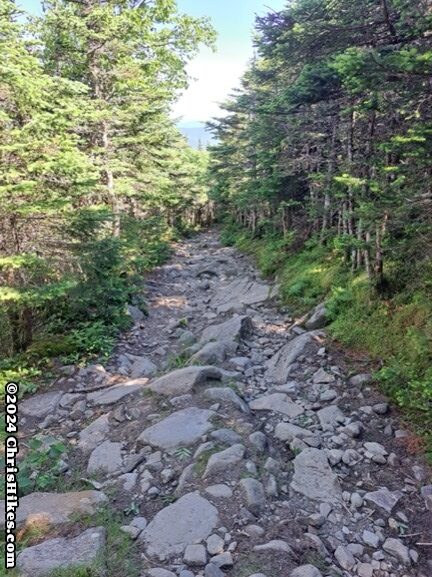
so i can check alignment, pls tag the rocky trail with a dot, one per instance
(237, 442)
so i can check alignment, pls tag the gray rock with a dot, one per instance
(381, 408)
(330, 416)
(426, 493)
(371, 539)
(187, 339)
(322, 377)
(259, 441)
(39, 406)
(136, 314)
(213, 353)
(318, 318)
(384, 498)
(230, 331)
(239, 293)
(195, 555)
(279, 365)
(227, 395)
(224, 460)
(361, 380)
(213, 570)
(277, 402)
(275, 545)
(183, 381)
(365, 570)
(288, 432)
(160, 572)
(54, 508)
(94, 434)
(142, 367)
(306, 571)
(187, 521)
(215, 544)
(223, 560)
(396, 548)
(219, 491)
(106, 458)
(115, 394)
(345, 558)
(181, 429)
(185, 574)
(328, 395)
(314, 478)
(82, 551)
(226, 437)
(253, 492)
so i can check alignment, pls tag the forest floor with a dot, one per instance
(221, 438)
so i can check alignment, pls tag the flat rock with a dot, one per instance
(239, 293)
(189, 520)
(278, 403)
(330, 416)
(94, 434)
(224, 460)
(384, 499)
(314, 478)
(323, 377)
(288, 432)
(54, 508)
(106, 458)
(280, 364)
(219, 491)
(82, 551)
(39, 406)
(306, 571)
(116, 393)
(142, 367)
(181, 429)
(227, 395)
(183, 381)
(253, 492)
(396, 548)
(230, 331)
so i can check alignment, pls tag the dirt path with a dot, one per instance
(230, 443)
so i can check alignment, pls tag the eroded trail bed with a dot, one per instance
(234, 440)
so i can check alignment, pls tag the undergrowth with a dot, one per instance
(394, 329)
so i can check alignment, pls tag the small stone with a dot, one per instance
(276, 545)
(365, 570)
(384, 498)
(356, 500)
(345, 558)
(361, 380)
(195, 555)
(306, 571)
(160, 572)
(259, 441)
(254, 531)
(253, 491)
(219, 491)
(381, 408)
(215, 544)
(371, 539)
(133, 532)
(224, 560)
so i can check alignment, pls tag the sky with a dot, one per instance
(213, 75)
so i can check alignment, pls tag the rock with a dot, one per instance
(330, 416)
(213, 353)
(142, 367)
(226, 437)
(396, 548)
(226, 394)
(306, 571)
(195, 556)
(180, 429)
(239, 293)
(94, 434)
(183, 381)
(187, 521)
(328, 395)
(212, 570)
(371, 539)
(135, 313)
(106, 458)
(277, 402)
(82, 551)
(231, 331)
(133, 532)
(160, 572)
(365, 570)
(345, 558)
(224, 460)
(375, 449)
(253, 491)
(426, 493)
(219, 491)
(54, 509)
(39, 406)
(381, 408)
(276, 545)
(361, 380)
(116, 393)
(215, 544)
(384, 498)
(279, 365)
(318, 318)
(185, 574)
(322, 377)
(314, 478)
(254, 531)
(223, 560)
(288, 432)
(259, 441)
(187, 339)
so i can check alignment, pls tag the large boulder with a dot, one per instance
(189, 520)
(54, 508)
(279, 366)
(82, 551)
(181, 429)
(184, 381)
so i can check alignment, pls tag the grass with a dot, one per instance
(393, 330)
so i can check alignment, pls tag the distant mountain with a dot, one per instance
(196, 134)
